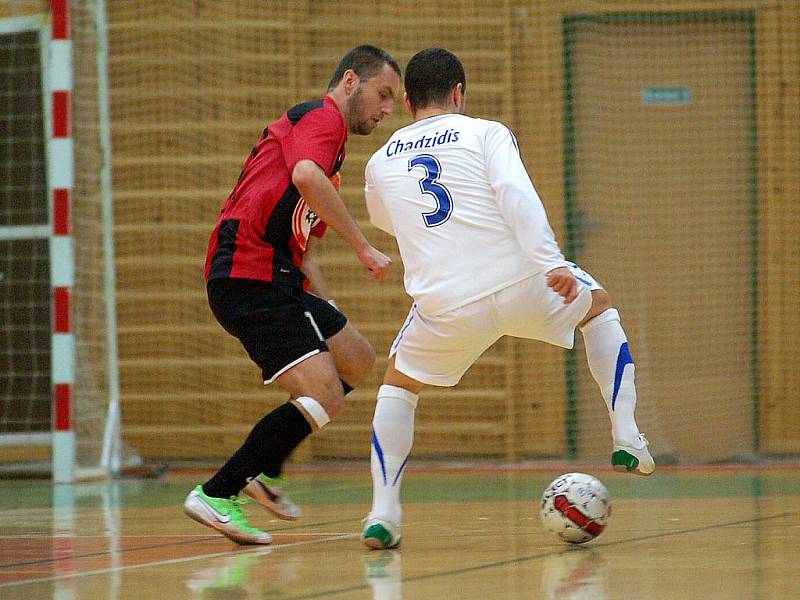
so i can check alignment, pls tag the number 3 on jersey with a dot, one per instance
(430, 185)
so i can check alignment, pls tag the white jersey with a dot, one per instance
(454, 192)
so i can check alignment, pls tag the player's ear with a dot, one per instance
(350, 80)
(407, 102)
(458, 96)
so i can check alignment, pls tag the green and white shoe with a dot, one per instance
(633, 459)
(224, 515)
(380, 534)
(269, 493)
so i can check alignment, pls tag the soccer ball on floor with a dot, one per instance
(576, 507)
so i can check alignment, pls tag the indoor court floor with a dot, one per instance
(684, 533)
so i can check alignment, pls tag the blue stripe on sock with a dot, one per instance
(399, 471)
(379, 451)
(623, 358)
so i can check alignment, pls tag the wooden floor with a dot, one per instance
(724, 533)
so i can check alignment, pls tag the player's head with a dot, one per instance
(365, 85)
(435, 78)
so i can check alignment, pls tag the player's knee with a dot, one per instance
(365, 362)
(335, 407)
(332, 398)
(601, 302)
(361, 360)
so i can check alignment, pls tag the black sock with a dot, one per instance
(270, 442)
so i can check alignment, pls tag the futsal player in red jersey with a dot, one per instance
(265, 286)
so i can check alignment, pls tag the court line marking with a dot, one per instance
(128, 536)
(56, 559)
(532, 557)
(258, 549)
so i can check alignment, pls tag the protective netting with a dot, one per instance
(90, 318)
(24, 255)
(663, 143)
(25, 286)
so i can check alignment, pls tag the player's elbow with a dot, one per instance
(305, 174)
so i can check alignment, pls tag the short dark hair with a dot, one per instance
(366, 61)
(431, 75)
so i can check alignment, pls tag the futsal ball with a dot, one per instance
(576, 507)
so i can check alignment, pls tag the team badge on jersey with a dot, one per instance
(303, 221)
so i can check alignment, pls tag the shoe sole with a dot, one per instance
(376, 543)
(624, 462)
(238, 538)
(261, 501)
(624, 469)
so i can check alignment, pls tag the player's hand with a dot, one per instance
(563, 283)
(376, 262)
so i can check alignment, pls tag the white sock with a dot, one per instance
(392, 437)
(612, 367)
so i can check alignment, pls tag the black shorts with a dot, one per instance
(278, 325)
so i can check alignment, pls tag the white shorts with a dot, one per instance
(439, 350)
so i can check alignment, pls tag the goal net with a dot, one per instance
(97, 413)
(25, 331)
(57, 378)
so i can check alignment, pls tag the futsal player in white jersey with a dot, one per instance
(481, 262)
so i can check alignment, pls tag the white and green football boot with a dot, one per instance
(633, 459)
(380, 534)
(224, 515)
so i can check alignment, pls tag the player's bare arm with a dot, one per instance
(318, 285)
(563, 282)
(319, 192)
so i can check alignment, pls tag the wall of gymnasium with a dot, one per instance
(188, 98)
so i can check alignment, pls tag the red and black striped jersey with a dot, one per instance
(263, 228)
